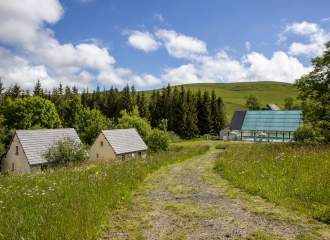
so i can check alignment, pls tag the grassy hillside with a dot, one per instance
(234, 94)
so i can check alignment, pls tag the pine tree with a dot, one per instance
(27, 93)
(199, 108)
(133, 93)
(37, 89)
(191, 129)
(68, 93)
(154, 110)
(168, 108)
(222, 113)
(16, 91)
(206, 120)
(126, 100)
(215, 114)
(143, 107)
(1, 88)
(174, 106)
(75, 90)
(112, 103)
(84, 98)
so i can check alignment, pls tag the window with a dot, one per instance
(140, 154)
(97, 155)
(123, 157)
(16, 150)
(101, 143)
(43, 167)
(12, 167)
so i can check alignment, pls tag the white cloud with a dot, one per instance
(317, 38)
(248, 46)
(85, 1)
(181, 46)
(253, 67)
(281, 39)
(143, 41)
(23, 27)
(325, 19)
(280, 68)
(158, 17)
(181, 75)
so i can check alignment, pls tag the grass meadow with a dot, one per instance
(292, 175)
(74, 202)
(233, 94)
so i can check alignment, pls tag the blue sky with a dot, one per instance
(153, 43)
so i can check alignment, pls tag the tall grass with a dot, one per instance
(293, 175)
(73, 202)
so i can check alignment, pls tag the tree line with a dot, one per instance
(171, 109)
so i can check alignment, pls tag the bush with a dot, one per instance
(174, 136)
(305, 132)
(65, 152)
(159, 141)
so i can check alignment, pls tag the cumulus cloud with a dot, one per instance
(181, 46)
(325, 19)
(143, 41)
(317, 38)
(253, 67)
(23, 27)
(281, 39)
(248, 46)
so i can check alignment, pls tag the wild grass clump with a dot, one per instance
(73, 202)
(293, 175)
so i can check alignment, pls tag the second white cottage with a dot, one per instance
(118, 144)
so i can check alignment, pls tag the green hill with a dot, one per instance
(234, 94)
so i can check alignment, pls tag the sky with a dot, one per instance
(152, 43)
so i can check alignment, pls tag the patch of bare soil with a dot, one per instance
(176, 203)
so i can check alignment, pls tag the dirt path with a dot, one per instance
(190, 200)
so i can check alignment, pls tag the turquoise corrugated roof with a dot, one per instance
(272, 120)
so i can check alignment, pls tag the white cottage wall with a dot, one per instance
(17, 160)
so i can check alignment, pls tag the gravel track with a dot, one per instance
(177, 203)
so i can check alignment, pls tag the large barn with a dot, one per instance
(263, 125)
(118, 144)
(26, 148)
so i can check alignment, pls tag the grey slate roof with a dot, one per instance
(36, 142)
(273, 107)
(124, 140)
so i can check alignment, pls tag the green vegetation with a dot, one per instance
(314, 93)
(292, 175)
(73, 203)
(233, 94)
(65, 152)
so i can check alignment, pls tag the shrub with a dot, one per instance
(174, 136)
(65, 152)
(159, 141)
(305, 132)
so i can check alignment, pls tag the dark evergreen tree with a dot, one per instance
(68, 94)
(37, 89)
(191, 129)
(126, 100)
(143, 106)
(215, 114)
(199, 108)
(84, 98)
(16, 91)
(206, 118)
(1, 88)
(75, 90)
(112, 103)
(133, 93)
(27, 93)
(174, 105)
(222, 113)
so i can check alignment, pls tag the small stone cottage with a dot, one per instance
(118, 144)
(25, 150)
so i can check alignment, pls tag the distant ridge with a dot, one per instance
(234, 94)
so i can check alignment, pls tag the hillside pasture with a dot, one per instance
(233, 94)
